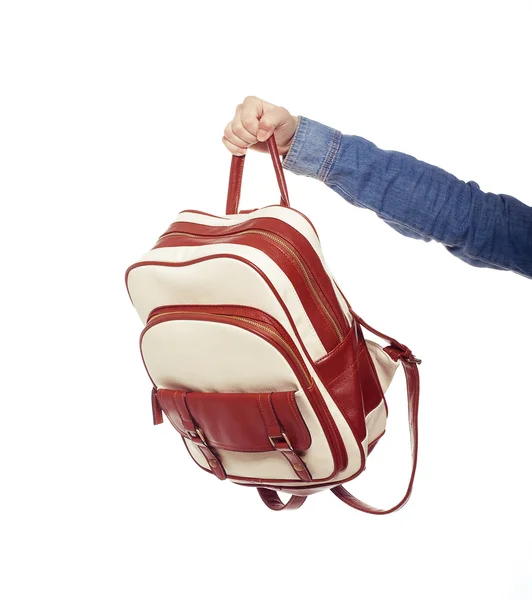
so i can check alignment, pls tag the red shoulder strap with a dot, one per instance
(409, 362)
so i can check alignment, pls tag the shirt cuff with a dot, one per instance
(313, 149)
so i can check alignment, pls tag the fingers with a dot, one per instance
(236, 150)
(262, 118)
(237, 136)
(254, 122)
(273, 119)
(252, 109)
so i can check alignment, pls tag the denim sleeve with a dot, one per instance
(417, 199)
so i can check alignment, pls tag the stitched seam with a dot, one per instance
(295, 148)
(173, 421)
(232, 448)
(331, 155)
(188, 416)
(296, 413)
(353, 368)
(264, 417)
(238, 188)
(335, 351)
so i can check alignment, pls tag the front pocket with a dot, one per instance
(224, 349)
(238, 422)
(241, 421)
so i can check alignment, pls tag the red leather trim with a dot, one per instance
(234, 421)
(328, 424)
(268, 224)
(200, 212)
(312, 307)
(339, 372)
(156, 408)
(372, 445)
(372, 393)
(273, 502)
(221, 315)
(196, 434)
(229, 310)
(322, 282)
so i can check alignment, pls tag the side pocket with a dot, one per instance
(352, 378)
(339, 370)
(376, 371)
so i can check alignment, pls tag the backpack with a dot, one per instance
(257, 358)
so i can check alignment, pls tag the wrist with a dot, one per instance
(286, 147)
(313, 149)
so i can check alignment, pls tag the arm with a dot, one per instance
(417, 199)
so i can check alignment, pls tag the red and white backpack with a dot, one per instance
(257, 358)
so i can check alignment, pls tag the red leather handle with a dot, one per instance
(235, 178)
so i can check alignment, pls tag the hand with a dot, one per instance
(254, 122)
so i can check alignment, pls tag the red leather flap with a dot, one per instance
(239, 421)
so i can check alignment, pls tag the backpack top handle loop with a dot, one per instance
(235, 177)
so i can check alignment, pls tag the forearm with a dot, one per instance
(417, 199)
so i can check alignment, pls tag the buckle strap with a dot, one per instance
(278, 438)
(403, 354)
(175, 407)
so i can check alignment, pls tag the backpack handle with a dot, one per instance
(235, 177)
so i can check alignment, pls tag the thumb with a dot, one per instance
(270, 121)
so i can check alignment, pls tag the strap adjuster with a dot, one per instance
(197, 433)
(280, 438)
(412, 359)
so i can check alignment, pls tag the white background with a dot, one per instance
(111, 121)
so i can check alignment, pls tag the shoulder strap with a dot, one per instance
(409, 361)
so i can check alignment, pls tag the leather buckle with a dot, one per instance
(282, 437)
(406, 355)
(398, 351)
(197, 433)
(410, 358)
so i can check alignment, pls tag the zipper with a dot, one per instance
(293, 353)
(327, 312)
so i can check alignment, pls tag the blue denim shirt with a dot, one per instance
(417, 199)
